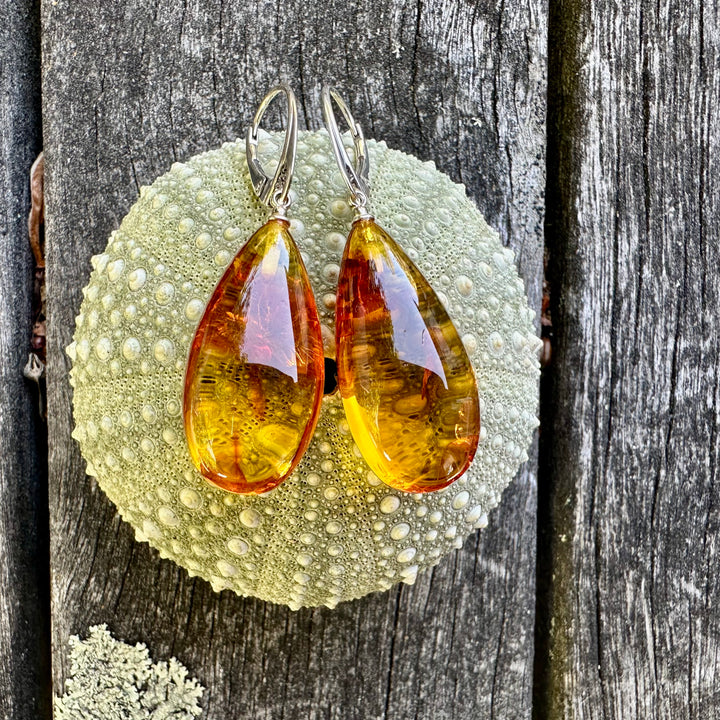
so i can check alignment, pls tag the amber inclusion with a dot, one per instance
(406, 381)
(255, 372)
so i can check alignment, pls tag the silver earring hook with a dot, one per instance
(356, 175)
(274, 191)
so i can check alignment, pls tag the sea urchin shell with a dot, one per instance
(331, 531)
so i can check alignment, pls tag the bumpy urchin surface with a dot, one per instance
(332, 531)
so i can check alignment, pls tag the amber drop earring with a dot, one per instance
(406, 382)
(255, 372)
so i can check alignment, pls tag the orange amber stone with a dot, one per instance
(407, 385)
(255, 373)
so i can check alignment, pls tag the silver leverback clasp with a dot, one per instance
(274, 191)
(356, 175)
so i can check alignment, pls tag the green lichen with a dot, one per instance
(332, 531)
(111, 680)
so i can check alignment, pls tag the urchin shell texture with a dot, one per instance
(332, 531)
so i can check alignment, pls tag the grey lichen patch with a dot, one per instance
(332, 531)
(111, 679)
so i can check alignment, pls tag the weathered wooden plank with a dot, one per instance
(24, 625)
(128, 87)
(632, 433)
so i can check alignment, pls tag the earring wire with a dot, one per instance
(274, 191)
(356, 175)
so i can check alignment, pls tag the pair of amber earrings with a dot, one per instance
(255, 374)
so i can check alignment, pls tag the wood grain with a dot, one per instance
(24, 607)
(632, 442)
(130, 86)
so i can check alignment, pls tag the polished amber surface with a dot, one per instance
(407, 385)
(255, 372)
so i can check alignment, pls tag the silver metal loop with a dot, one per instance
(356, 175)
(274, 191)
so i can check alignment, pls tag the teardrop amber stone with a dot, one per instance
(407, 385)
(255, 372)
